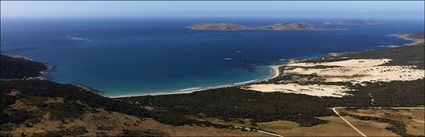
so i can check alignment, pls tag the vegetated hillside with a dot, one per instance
(20, 67)
(229, 103)
(27, 103)
(44, 108)
(233, 102)
(406, 55)
(35, 104)
(417, 36)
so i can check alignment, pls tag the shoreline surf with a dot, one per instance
(274, 69)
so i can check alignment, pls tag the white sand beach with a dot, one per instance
(274, 73)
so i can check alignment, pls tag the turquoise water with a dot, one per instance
(121, 56)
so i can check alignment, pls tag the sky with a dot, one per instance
(290, 9)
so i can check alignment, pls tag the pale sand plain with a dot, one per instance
(355, 71)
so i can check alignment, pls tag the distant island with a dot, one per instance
(351, 22)
(278, 26)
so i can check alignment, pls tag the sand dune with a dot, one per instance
(312, 90)
(356, 71)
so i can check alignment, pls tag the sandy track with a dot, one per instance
(360, 132)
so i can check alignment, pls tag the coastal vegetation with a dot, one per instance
(416, 36)
(54, 109)
(234, 102)
(20, 67)
(406, 55)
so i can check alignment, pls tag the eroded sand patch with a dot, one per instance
(358, 71)
(345, 63)
(312, 89)
(355, 71)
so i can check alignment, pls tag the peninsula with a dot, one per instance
(237, 27)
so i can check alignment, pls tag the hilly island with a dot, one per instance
(378, 92)
(278, 26)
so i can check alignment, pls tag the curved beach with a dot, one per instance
(274, 72)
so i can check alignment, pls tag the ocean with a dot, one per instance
(128, 56)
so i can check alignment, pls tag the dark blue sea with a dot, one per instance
(122, 56)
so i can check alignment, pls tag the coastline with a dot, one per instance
(274, 72)
(405, 37)
(355, 69)
(43, 75)
(274, 69)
